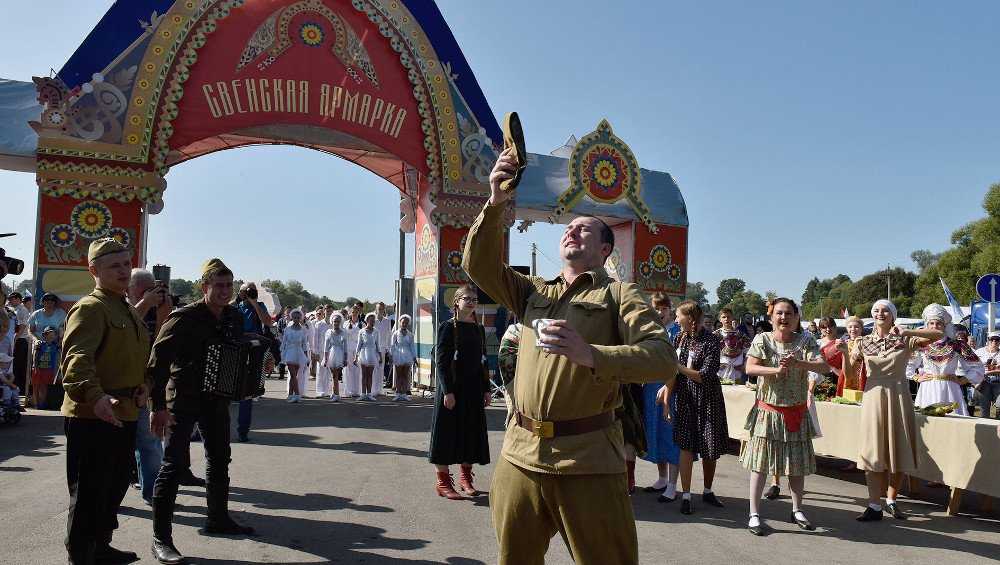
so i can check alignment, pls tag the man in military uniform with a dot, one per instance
(177, 367)
(562, 466)
(103, 365)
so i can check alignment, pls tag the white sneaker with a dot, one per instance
(291, 398)
(334, 398)
(406, 397)
(298, 398)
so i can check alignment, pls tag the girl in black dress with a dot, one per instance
(458, 428)
(700, 427)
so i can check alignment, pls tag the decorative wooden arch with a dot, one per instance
(212, 74)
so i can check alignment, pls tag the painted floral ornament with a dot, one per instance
(62, 235)
(91, 219)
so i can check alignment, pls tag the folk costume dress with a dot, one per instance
(316, 343)
(888, 434)
(403, 352)
(781, 432)
(732, 355)
(352, 372)
(944, 359)
(701, 410)
(335, 349)
(295, 351)
(459, 435)
(660, 446)
(370, 355)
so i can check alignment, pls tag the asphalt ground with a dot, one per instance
(349, 482)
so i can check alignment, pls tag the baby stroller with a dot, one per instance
(10, 406)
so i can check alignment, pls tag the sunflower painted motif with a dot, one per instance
(311, 34)
(674, 272)
(659, 257)
(91, 219)
(645, 269)
(120, 235)
(62, 235)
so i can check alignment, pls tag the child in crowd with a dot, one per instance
(403, 353)
(46, 361)
(335, 353)
(369, 355)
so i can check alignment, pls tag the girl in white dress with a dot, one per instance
(404, 354)
(944, 366)
(352, 372)
(368, 355)
(335, 353)
(295, 355)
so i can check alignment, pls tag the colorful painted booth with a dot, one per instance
(381, 83)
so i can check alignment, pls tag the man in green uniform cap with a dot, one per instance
(103, 365)
(562, 466)
(177, 368)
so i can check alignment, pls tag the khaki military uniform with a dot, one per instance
(104, 352)
(571, 484)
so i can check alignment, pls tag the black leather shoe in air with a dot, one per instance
(894, 511)
(710, 499)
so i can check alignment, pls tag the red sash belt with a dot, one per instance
(793, 414)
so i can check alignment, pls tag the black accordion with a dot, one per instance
(235, 368)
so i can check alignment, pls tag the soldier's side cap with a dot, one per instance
(104, 246)
(212, 266)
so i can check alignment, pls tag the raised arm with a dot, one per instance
(483, 261)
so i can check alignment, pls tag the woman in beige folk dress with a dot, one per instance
(888, 439)
(781, 431)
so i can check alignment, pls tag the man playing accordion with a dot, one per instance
(181, 399)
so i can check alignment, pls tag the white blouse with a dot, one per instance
(402, 349)
(368, 351)
(295, 340)
(335, 348)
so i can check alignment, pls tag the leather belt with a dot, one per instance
(122, 392)
(566, 427)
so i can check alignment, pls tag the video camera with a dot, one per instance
(161, 273)
(9, 265)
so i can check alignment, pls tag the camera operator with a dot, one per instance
(255, 319)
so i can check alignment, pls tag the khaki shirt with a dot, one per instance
(629, 345)
(105, 349)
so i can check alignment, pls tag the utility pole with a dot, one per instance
(888, 283)
(534, 260)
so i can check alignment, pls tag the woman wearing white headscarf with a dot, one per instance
(887, 446)
(937, 367)
(295, 355)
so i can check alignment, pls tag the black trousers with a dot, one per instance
(387, 370)
(98, 458)
(212, 418)
(22, 360)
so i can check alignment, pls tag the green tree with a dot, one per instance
(696, 291)
(975, 251)
(924, 259)
(728, 288)
(747, 302)
(188, 291)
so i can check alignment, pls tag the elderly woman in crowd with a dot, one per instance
(937, 366)
(887, 446)
(781, 434)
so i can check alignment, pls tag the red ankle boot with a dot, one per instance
(445, 486)
(465, 481)
(631, 476)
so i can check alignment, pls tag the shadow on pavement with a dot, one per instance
(36, 435)
(332, 541)
(920, 530)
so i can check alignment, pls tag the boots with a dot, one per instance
(445, 486)
(81, 552)
(219, 521)
(165, 552)
(631, 476)
(465, 481)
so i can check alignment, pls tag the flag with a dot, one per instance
(956, 308)
(845, 313)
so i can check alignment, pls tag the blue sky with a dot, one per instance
(808, 138)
